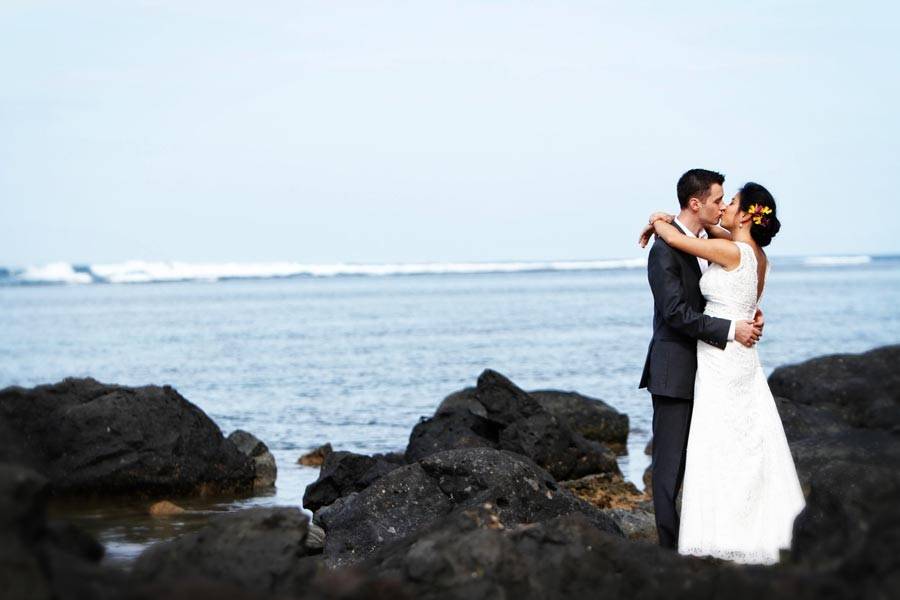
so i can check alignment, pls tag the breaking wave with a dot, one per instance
(139, 271)
(149, 272)
(836, 261)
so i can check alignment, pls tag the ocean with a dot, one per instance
(354, 355)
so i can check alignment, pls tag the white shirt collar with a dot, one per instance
(688, 232)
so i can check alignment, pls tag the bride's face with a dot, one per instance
(732, 214)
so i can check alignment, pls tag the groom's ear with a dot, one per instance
(694, 204)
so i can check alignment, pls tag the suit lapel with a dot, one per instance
(691, 260)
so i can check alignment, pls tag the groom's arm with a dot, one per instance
(664, 274)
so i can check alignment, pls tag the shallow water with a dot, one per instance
(357, 360)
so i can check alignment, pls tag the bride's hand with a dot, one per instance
(661, 215)
(648, 231)
(646, 234)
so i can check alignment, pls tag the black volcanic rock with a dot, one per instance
(802, 421)
(851, 525)
(259, 550)
(451, 430)
(343, 473)
(591, 417)
(411, 498)
(853, 447)
(497, 414)
(90, 438)
(469, 555)
(41, 559)
(264, 467)
(465, 399)
(862, 389)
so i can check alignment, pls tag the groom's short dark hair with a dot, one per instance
(695, 184)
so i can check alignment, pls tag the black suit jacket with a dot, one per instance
(678, 322)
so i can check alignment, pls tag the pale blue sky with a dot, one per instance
(434, 131)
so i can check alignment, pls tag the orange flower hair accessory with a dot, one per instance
(758, 214)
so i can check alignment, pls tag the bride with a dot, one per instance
(741, 493)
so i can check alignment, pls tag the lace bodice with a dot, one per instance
(732, 294)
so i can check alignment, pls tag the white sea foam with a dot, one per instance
(58, 272)
(144, 271)
(139, 271)
(836, 261)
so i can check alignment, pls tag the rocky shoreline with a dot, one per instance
(499, 493)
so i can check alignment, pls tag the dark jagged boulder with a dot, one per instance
(393, 507)
(498, 414)
(415, 496)
(343, 473)
(851, 509)
(449, 430)
(464, 399)
(468, 556)
(850, 528)
(258, 550)
(862, 389)
(564, 453)
(591, 417)
(851, 525)
(840, 416)
(802, 421)
(843, 472)
(90, 438)
(853, 447)
(41, 559)
(264, 468)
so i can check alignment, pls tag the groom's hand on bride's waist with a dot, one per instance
(759, 320)
(747, 333)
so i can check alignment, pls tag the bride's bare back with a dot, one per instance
(762, 266)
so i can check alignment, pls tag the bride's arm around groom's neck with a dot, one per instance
(718, 232)
(720, 251)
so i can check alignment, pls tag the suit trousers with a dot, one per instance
(671, 424)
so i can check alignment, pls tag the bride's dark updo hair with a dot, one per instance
(755, 194)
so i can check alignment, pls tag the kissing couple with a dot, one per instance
(717, 434)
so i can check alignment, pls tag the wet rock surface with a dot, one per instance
(259, 550)
(90, 438)
(264, 469)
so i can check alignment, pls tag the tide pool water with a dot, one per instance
(357, 360)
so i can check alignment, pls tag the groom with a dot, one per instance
(678, 322)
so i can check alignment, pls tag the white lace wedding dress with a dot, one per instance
(741, 493)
